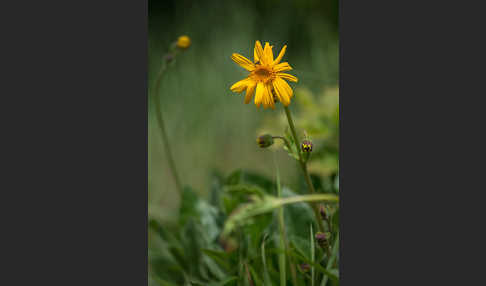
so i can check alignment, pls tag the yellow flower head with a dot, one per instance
(266, 78)
(183, 42)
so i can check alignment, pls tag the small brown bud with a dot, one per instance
(322, 211)
(305, 267)
(321, 239)
(169, 58)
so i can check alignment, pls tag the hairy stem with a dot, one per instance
(160, 120)
(303, 165)
(286, 142)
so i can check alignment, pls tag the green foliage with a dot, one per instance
(252, 230)
(227, 229)
(237, 242)
(318, 115)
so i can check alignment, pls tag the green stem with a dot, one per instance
(304, 167)
(283, 236)
(160, 120)
(286, 142)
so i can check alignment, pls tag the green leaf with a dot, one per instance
(188, 205)
(221, 257)
(298, 217)
(256, 279)
(227, 281)
(335, 219)
(268, 204)
(250, 178)
(317, 266)
(216, 190)
(313, 255)
(244, 188)
(332, 275)
(234, 178)
(266, 276)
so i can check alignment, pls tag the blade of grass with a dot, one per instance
(241, 263)
(227, 280)
(254, 276)
(266, 204)
(248, 275)
(282, 245)
(331, 275)
(330, 263)
(312, 244)
(266, 276)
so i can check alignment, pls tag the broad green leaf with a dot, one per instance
(268, 204)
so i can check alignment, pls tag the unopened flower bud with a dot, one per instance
(183, 42)
(169, 58)
(307, 146)
(321, 239)
(305, 267)
(322, 211)
(265, 141)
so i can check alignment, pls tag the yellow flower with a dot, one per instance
(266, 78)
(183, 42)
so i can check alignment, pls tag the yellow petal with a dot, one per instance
(286, 86)
(268, 53)
(241, 85)
(242, 61)
(260, 89)
(287, 76)
(265, 97)
(282, 67)
(280, 55)
(250, 91)
(281, 90)
(258, 52)
(271, 102)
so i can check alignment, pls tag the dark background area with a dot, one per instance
(95, 233)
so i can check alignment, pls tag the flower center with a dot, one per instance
(263, 74)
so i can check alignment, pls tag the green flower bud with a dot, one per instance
(304, 267)
(321, 239)
(265, 141)
(306, 146)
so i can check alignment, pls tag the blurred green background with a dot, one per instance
(210, 128)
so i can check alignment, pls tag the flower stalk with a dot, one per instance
(182, 43)
(303, 165)
(165, 138)
(286, 142)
